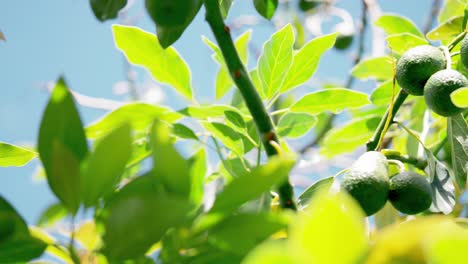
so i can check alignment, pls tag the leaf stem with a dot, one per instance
(250, 95)
(418, 163)
(456, 40)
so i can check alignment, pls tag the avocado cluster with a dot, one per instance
(422, 71)
(367, 181)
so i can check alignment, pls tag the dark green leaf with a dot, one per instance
(62, 146)
(11, 155)
(266, 8)
(12, 224)
(107, 9)
(52, 214)
(21, 250)
(318, 186)
(182, 131)
(225, 5)
(457, 133)
(105, 165)
(235, 119)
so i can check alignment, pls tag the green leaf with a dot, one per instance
(332, 222)
(52, 214)
(207, 111)
(400, 43)
(13, 225)
(21, 250)
(334, 100)
(447, 30)
(11, 155)
(306, 60)
(169, 165)
(457, 133)
(198, 169)
(270, 252)
(229, 137)
(235, 119)
(107, 9)
(382, 95)
(322, 185)
(294, 125)
(106, 165)
(242, 232)
(182, 131)
(62, 146)
(275, 61)
(165, 65)
(460, 97)
(250, 186)
(233, 168)
(139, 115)
(223, 82)
(138, 216)
(380, 68)
(396, 24)
(225, 5)
(450, 9)
(266, 8)
(349, 136)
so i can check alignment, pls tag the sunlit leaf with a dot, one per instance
(11, 155)
(198, 170)
(270, 252)
(294, 125)
(460, 97)
(446, 30)
(400, 43)
(52, 214)
(396, 24)
(322, 185)
(229, 137)
(207, 111)
(450, 9)
(382, 95)
(165, 65)
(380, 68)
(334, 100)
(88, 235)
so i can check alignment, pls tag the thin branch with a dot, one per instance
(418, 163)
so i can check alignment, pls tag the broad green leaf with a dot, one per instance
(107, 9)
(457, 133)
(223, 82)
(165, 65)
(198, 169)
(257, 82)
(331, 222)
(140, 150)
(52, 214)
(349, 136)
(62, 146)
(11, 155)
(182, 131)
(306, 60)
(294, 125)
(169, 165)
(240, 233)
(334, 100)
(450, 9)
(207, 111)
(460, 97)
(266, 8)
(225, 5)
(322, 185)
(106, 165)
(138, 217)
(400, 43)
(233, 167)
(275, 61)
(251, 185)
(13, 225)
(270, 252)
(380, 68)
(396, 24)
(229, 137)
(139, 115)
(382, 95)
(446, 30)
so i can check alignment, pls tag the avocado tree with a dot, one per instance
(403, 200)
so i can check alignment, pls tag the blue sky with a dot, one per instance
(49, 38)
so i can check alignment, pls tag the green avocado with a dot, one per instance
(410, 193)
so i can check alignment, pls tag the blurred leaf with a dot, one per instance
(270, 252)
(460, 97)
(207, 111)
(240, 233)
(306, 60)
(88, 235)
(229, 137)
(105, 165)
(275, 61)
(322, 185)
(198, 170)
(457, 133)
(396, 24)
(140, 151)
(21, 250)
(165, 65)
(447, 30)
(266, 8)
(139, 115)
(11, 155)
(349, 136)
(225, 5)
(13, 225)
(233, 167)
(294, 125)
(182, 131)
(62, 146)
(380, 68)
(334, 100)
(400, 43)
(107, 9)
(52, 214)
(168, 164)
(382, 95)
(451, 9)
(443, 191)
(332, 222)
(250, 186)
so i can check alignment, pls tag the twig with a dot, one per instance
(418, 163)
(252, 99)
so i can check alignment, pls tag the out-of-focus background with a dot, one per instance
(49, 38)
